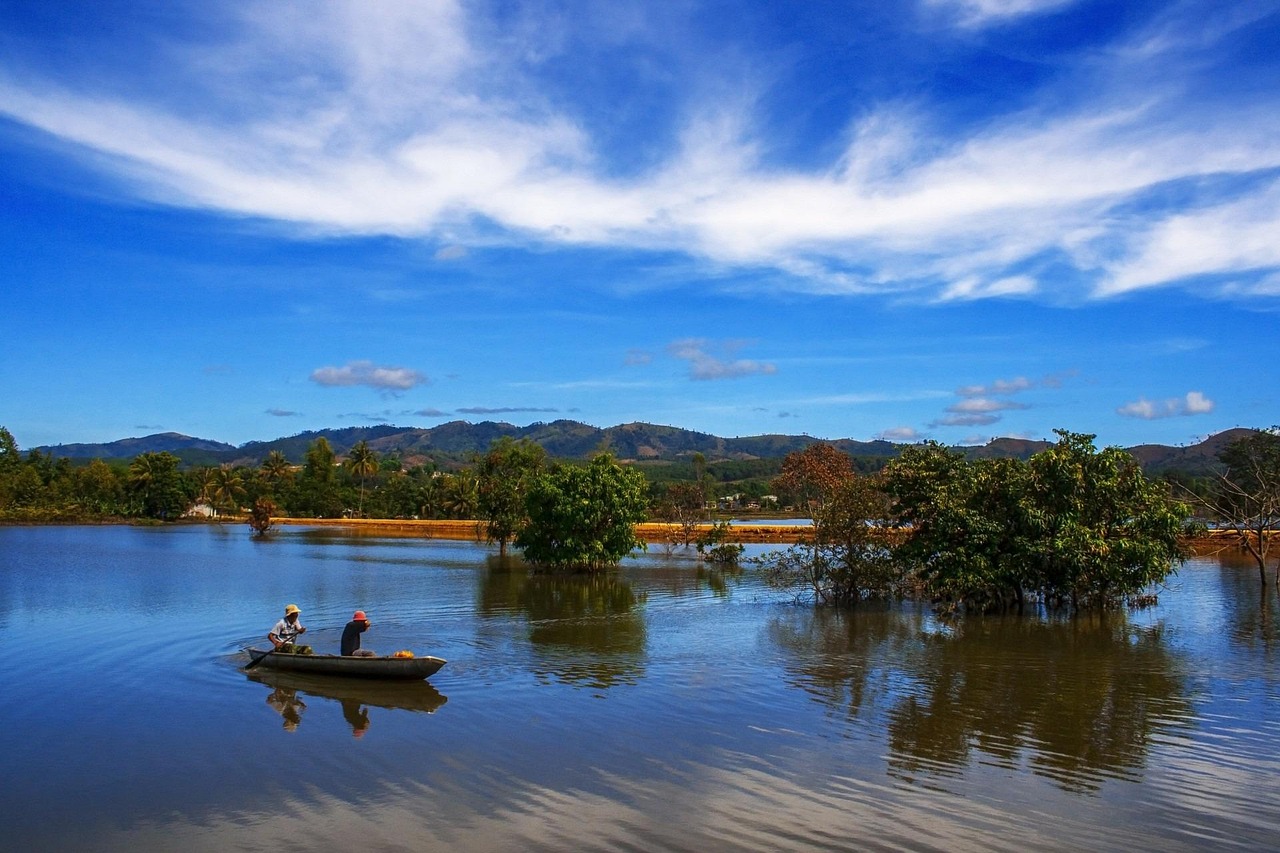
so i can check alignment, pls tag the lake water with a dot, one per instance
(662, 707)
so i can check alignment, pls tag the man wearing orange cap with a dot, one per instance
(351, 636)
(284, 636)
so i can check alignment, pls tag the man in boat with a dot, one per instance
(351, 636)
(284, 636)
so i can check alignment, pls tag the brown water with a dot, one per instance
(662, 707)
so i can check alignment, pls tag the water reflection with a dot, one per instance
(1076, 701)
(355, 696)
(586, 629)
(1253, 610)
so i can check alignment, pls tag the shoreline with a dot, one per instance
(1213, 542)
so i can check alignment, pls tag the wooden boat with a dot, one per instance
(387, 668)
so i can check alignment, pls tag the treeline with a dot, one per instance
(37, 486)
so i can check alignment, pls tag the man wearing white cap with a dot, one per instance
(284, 635)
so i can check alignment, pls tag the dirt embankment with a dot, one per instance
(1213, 542)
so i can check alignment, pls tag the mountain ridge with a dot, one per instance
(453, 442)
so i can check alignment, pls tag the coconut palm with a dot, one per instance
(275, 469)
(363, 463)
(228, 488)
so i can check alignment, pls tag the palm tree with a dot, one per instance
(204, 486)
(461, 495)
(228, 486)
(363, 463)
(275, 469)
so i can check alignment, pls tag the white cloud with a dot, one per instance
(900, 435)
(983, 405)
(1194, 403)
(977, 13)
(1228, 238)
(407, 119)
(387, 379)
(705, 366)
(1000, 386)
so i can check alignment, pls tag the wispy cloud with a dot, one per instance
(704, 365)
(503, 410)
(1193, 403)
(981, 405)
(409, 120)
(393, 380)
(429, 413)
(980, 13)
(637, 357)
(283, 413)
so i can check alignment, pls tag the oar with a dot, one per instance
(260, 658)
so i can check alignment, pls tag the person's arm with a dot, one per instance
(275, 641)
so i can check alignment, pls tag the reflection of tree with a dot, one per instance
(1084, 697)
(586, 627)
(1251, 610)
(1076, 700)
(838, 655)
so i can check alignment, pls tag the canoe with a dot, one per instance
(389, 668)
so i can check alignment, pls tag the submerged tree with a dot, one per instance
(1073, 526)
(1245, 498)
(847, 558)
(583, 517)
(260, 517)
(503, 478)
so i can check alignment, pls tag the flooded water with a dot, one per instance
(661, 707)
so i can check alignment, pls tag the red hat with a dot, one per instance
(359, 617)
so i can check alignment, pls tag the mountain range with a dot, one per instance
(452, 444)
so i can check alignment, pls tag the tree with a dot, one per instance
(459, 495)
(847, 559)
(503, 477)
(1072, 526)
(363, 463)
(1245, 498)
(1097, 529)
(683, 504)
(809, 475)
(275, 469)
(228, 488)
(260, 516)
(583, 517)
(317, 493)
(157, 485)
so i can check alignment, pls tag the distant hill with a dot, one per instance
(451, 445)
(127, 448)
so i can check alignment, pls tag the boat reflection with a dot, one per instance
(356, 696)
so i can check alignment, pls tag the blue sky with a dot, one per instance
(948, 219)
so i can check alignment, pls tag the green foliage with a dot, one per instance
(363, 463)
(503, 478)
(160, 490)
(583, 517)
(1071, 526)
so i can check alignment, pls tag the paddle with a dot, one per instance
(260, 659)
